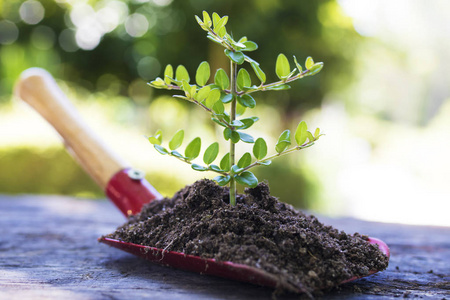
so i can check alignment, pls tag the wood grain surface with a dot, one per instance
(49, 250)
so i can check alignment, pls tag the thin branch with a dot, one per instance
(205, 108)
(173, 87)
(221, 40)
(296, 148)
(190, 163)
(263, 88)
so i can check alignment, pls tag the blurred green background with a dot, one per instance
(383, 91)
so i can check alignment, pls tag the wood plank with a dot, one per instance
(48, 249)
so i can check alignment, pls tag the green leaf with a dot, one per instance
(215, 168)
(216, 19)
(200, 168)
(246, 101)
(299, 67)
(284, 141)
(227, 133)
(243, 79)
(282, 67)
(206, 19)
(245, 160)
(316, 68)
(292, 73)
(310, 136)
(182, 74)
(218, 122)
(214, 39)
(260, 149)
(186, 88)
(176, 140)
(193, 149)
(279, 87)
(203, 93)
(285, 136)
(235, 136)
(168, 72)
(317, 133)
(222, 32)
(236, 170)
(236, 123)
(247, 178)
(236, 57)
(225, 118)
(243, 39)
(199, 21)
(203, 73)
(246, 138)
(161, 149)
(177, 154)
(240, 110)
(261, 75)
(218, 107)
(213, 97)
(221, 79)
(153, 140)
(221, 23)
(281, 146)
(248, 122)
(227, 98)
(222, 180)
(264, 163)
(193, 91)
(250, 46)
(225, 162)
(309, 62)
(238, 46)
(300, 133)
(157, 138)
(158, 83)
(211, 153)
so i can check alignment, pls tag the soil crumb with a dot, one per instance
(259, 231)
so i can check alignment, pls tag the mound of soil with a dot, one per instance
(259, 231)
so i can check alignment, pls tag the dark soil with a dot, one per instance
(259, 231)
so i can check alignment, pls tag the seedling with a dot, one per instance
(226, 99)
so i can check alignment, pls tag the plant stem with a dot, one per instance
(233, 75)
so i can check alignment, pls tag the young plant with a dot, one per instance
(225, 100)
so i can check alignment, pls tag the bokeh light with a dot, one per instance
(148, 67)
(32, 12)
(91, 24)
(136, 25)
(43, 37)
(8, 32)
(162, 2)
(67, 41)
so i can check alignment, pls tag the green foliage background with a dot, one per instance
(293, 27)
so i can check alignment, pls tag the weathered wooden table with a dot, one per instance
(49, 249)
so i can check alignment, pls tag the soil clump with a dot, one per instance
(259, 231)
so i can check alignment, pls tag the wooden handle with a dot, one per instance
(38, 88)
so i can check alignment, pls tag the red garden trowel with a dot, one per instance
(126, 187)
